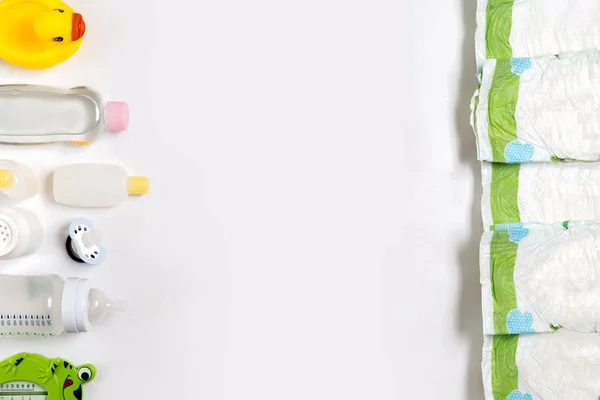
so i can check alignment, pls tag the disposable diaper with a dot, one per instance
(552, 366)
(541, 277)
(540, 192)
(534, 28)
(545, 109)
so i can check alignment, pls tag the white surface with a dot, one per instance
(308, 153)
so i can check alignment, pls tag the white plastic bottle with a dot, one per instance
(18, 182)
(32, 114)
(95, 185)
(47, 305)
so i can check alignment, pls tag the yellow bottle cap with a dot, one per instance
(7, 179)
(138, 185)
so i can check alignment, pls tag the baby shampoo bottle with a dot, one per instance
(31, 114)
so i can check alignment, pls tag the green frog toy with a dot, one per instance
(30, 376)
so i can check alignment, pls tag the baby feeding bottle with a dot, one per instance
(96, 185)
(32, 114)
(47, 305)
(17, 181)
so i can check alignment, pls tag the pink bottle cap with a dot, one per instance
(117, 116)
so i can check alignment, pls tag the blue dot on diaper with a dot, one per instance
(520, 65)
(519, 322)
(517, 152)
(516, 231)
(517, 395)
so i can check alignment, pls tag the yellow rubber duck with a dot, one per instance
(39, 33)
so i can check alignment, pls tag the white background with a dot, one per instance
(311, 231)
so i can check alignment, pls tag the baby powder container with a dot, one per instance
(18, 182)
(31, 114)
(21, 233)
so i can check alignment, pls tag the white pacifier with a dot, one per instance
(84, 242)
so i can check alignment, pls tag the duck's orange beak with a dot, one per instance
(78, 27)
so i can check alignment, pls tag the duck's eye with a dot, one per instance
(58, 39)
(84, 373)
(60, 10)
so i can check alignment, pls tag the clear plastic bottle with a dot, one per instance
(31, 114)
(47, 305)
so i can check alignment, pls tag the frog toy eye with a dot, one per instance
(59, 39)
(85, 374)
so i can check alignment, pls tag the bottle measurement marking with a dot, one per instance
(15, 320)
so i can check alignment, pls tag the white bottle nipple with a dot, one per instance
(99, 305)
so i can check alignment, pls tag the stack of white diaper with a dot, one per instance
(536, 117)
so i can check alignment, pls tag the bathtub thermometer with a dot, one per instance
(27, 376)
